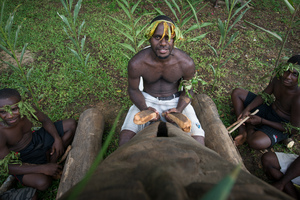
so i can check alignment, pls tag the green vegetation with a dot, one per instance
(65, 79)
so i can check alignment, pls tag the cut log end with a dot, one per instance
(144, 116)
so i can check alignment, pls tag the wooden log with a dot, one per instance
(7, 184)
(216, 134)
(181, 120)
(175, 167)
(85, 147)
(144, 116)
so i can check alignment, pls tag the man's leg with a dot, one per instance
(125, 136)
(69, 126)
(238, 96)
(272, 169)
(39, 181)
(258, 140)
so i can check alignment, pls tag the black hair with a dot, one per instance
(8, 93)
(162, 17)
(294, 59)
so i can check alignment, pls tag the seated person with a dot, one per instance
(162, 67)
(275, 122)
(39, 150)
(284, 169)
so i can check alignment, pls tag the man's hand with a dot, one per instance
(244, 114)
(172, 110)
(254, 120)
(57, 148)
(51, 169)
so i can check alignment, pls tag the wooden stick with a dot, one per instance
(241, 122)
(235, 123)
(65, 154)
(144, 116)
(181, 120)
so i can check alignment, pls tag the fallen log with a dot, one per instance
(7, 184)
(85, 147)
(216, 134)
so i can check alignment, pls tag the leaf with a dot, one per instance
(186, 20)
(76, 10)
(213, 69)
(125, 34)
(124, 9)
(70, 37)
(226, 60)
(214, 50)
(141, 43)
(64, 4)
(23, 51)
(197, 38)
(76, 54)
(12, 66)
(134, 7)
(195, 26)
(231, 39)
(128, 46)
(267, 31)
(222, 190)
(139, 30)
(86, 59)
(176, 5)
(237, 19)
(29, 73)
(171, 8)
(70, 4)
(4, 49)
(289, 6)
(2, 11)
(240, 8)
(120, 22)
(126, 56)
(16, 38)
(125, 3)
(159, 11)
(227, 5)
(9, 24)
(65, 20)
(82, 43)
(80, 28)
(137, 20)
(194, 12)
(79, 71)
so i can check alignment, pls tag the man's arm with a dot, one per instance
(51, 169)
(48, 125)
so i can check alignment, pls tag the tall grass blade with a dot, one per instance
(82, 43)
(289, 6)
(80, 28)
(222, 190)
(267, 31)
(213, 49)
(173, 11)
(79, 187)
(176, 5)
(4, 49)
(231, 39)
(70, 4)
(141, 43)
(2, 11)
(70, 37)
(227, 60)
(120, 22)
(239, 9)
(194, 12)
(125, 34)
(23, 51)
(185, 20)
(128, 46)
(12, 66)
(86, 59)
(159, 11)
(126, 56)
(16, 38)
(9, 24)
(124, 9)
(64, 5)
(65, 20)
(76, 10)
(227, 5)
(76, 54)
(237, 19)
(139, 30)
(213, 69)
(29, 73)
(197, 38)
(125, 3)
(134, 7)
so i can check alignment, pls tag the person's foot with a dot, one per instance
(240, 139)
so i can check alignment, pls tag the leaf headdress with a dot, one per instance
(283, 67)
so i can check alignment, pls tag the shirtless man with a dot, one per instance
(267, 127)
(40, 150)
(284, 170)
(162, 67)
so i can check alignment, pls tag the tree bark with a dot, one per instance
(85, 147)
(216, 134)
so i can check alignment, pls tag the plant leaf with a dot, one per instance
(231, 39)
(16, 38)
(128, 46)
(227, 5)
(82, 43)
(125, 10)
(267, 31)
(197, 38)
(80, 28)
(213, 69)
(29, 73)
(176, 5)
(4, 49)
(125, 34)
(171, 8)
(120, 22)
(64, 4)
(23, 51)
(134, 7)
(141, 43)
(240, 8)
(76, 10)
(2, 11)
(76, 54)
(214, 50)
(158, 11)
(289, 6)
(237, 19)
(65, 20)
(226, 60)
(86, 59)
(222, 190)
(12, 66)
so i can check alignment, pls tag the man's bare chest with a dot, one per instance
(170, 75)
(17, 134)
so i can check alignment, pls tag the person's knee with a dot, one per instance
(257, 144)
(125, 136)
(267, 159)
(70, 124)
(38, 181)
(237, 92)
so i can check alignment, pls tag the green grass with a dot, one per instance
(65, 93)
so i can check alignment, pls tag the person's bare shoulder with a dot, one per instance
(183, 58)
(139, 59)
